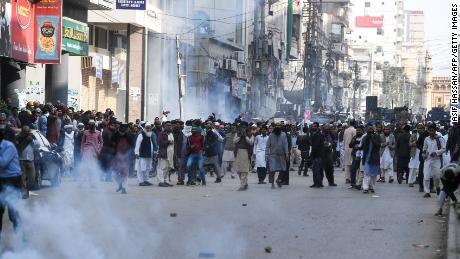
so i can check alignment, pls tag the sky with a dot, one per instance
(437, 30)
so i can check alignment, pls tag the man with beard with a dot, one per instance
(143, 152)
(317, 144)
(228, 158)
(403, 154)
(277, 152)
(371, 158)
(357, 155)
(165, 154)
(211, 141)
(386, 155)
(433, 148)
(8, 132)
(243, 152)
(303, 142)
(348, 135)
(179, 155)
(260, 145)
(327, 162)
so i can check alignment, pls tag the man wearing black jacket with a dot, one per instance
(317, 144)
(420, 141)
(403, 153)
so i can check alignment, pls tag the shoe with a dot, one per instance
(169, 185)
(432, 191)
(439, 213)
(162, 185)
(259, 182)
(218, 180)
(438, 190)
(420, 189)
(347, 181)
(192, 183)
(357, 187)
(427, 195)
(142, 184)
(306, 175)
(273, 186)
(119, 188)
(246, 187)
(366, 191)
(400, 179)
(382, 180)
(147, 183)
(123, 191)
(391, 180)
(181, 183)
(411, 185)
(314, 186)
(203, 183)
(262, 183)
(241, 189)
(233, 177)
(372, 190)
(332, 184)
(321, 186)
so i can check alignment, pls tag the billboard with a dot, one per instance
(36, 31)
(369, 21)
(5, 28)
(131, 4)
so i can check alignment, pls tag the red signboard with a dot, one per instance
(369, 21)
(22, 30)
(36, 31)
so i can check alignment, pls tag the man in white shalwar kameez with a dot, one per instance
(433, 148)
(386, 154)
(68, 148)
(144, 154)
(260, 144)
(348, 135)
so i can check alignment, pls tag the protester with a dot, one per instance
(433, 148)
(144, 153)
(371, 149)
(228, 157)
(277, 155)
(243, 152)
(165, 155)
(90, 147)
(387, 152)
(260, 145)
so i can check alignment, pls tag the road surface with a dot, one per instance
(217, 221)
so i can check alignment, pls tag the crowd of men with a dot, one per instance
(422, 154)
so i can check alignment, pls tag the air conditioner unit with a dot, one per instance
(239, 55)
(232, 64)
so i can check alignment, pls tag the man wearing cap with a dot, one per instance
(66, 147)
(165, 154)
(211, 140)
(414, 162)
(195, 144)
(143, 152)
(433, 148)
(228, 157)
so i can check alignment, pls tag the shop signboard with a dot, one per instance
(131, 4)
(75, 37)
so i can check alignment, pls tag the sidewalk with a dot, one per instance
(453, 234)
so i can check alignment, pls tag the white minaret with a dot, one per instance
(428, 84)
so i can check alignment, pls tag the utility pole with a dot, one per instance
(312, 55)
(258, 60)
(179, 78)
(356, 69)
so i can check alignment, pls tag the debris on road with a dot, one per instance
(268, 249)
(206, 195)
(377, 229)
(420, 221)
(244, 204)
(375, 196)
(265, 236)
(420, 245)
(173, 215)
(296, 236)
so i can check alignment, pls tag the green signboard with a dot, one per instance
(75, 36)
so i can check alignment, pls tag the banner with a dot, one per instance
(5, 28)
(48, 30)
(99, 63)
(369, 21)
(131, 4)
(75, 36)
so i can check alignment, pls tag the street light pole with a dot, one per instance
(179, 78)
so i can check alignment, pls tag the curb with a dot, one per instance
(452, 238)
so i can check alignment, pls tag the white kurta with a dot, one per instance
(68, 149)
(259, 150)
(348, 135)
(386, 160)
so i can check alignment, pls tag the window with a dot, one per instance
(379, 31)
(367, 4)
(100, 38)
(439, 100)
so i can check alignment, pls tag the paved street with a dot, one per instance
(211, 222)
